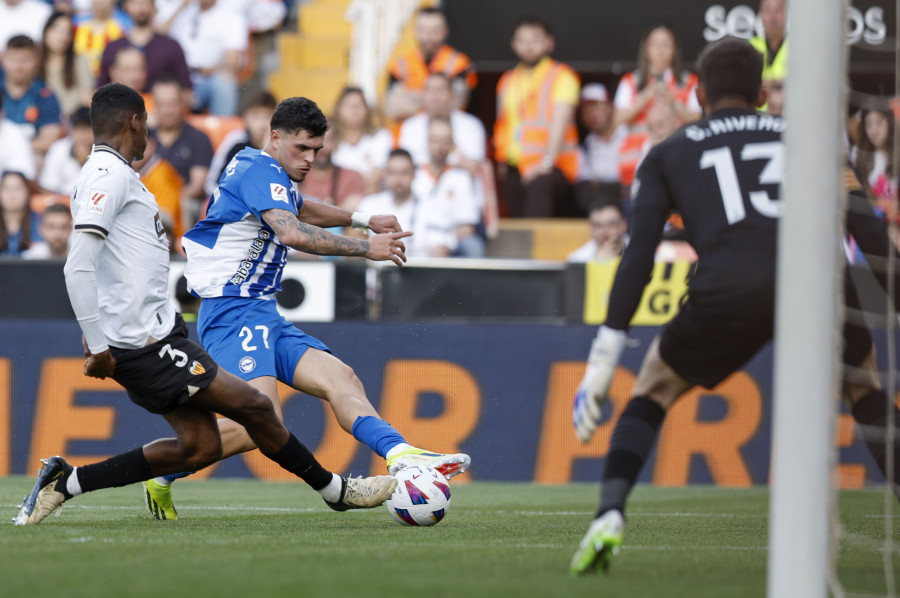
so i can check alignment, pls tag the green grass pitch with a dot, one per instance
(248, 539)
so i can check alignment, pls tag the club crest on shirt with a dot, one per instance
(279, 192)
(197, 368)
(247, 364)
(96, 201)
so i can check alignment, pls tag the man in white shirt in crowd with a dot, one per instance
(436, 179)
(213, 38)
(468, 132)
(430, 218)
(67, 155)
(598, 177)
(23, 17)
(15, 149)
(608, 235)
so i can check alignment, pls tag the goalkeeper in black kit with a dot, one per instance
(722, 174)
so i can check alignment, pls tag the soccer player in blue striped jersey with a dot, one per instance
(236, 256)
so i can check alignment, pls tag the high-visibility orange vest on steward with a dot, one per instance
(535, 117)
(632, 146)
(410, 68)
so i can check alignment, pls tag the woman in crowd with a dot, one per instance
(659, 78)
(874, 157)
(360, 145)
(18, 225)
(66, 74)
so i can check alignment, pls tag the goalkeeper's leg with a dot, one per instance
(656, 388)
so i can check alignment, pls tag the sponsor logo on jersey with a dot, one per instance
(160, 229)
(279, 192)
(247, 364)
(256, 248)
(96, 201)
(197, 368)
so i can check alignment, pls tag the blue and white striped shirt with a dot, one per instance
(233, 252)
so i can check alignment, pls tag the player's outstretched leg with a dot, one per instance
(323, 375)
(48, 493)
(600, 544)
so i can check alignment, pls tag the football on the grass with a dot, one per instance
(422, 496)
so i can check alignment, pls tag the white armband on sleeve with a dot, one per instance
(81, 282)
(360, 220)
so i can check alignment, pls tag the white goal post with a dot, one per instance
(808, 304)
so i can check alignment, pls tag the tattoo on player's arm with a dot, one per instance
(312, 239)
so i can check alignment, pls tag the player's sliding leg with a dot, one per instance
(58, 482)
(235, 440)
(656, 388)
(231, 397)
(323, 375)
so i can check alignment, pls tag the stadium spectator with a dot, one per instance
(598, 174)
(22, 17)
(183, 146)
(66, 74)
(103, 25)
(470, 148)
(535, 139)
(55, 229)
(438, 180)
(409, 71)
(662, 120)
(431, 219)
(361, 145)
(213, 38)
(773, 45)
(129, 67)
(873, 158)
(257, 115)
(165, 58)
(660, 78)
(15, 149)
(608, 234)
(330, 183)
(66, 156)
(164, 182)
(27, 101)
(18, 224)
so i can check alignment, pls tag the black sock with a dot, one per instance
(872, 411)
(297, 459)
(121, 470)
(631, 443)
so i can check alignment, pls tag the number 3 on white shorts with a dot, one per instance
(247, 335)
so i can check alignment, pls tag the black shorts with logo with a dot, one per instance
(712, 336)
(162, 376)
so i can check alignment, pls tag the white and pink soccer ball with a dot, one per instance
(422, 496)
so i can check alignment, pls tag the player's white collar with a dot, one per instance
(102, 147)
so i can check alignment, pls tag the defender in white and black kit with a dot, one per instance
(116, 275)
(127, 304)
(722, 175)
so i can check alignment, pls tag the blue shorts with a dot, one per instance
(250, 339)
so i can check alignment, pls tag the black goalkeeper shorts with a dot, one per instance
(711, 337)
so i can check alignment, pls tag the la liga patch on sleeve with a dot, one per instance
(279, 192)
(96, 201)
